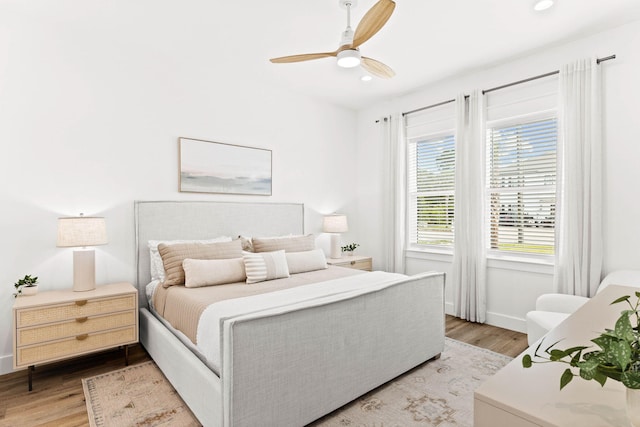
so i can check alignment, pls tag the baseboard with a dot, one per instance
(448, 308)
(507, 322)
(6, 364)
(496, 319)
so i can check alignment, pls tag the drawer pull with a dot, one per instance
(81, 302)
(353, 263)
(81, 319)
(82, 337)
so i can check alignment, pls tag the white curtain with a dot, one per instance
(469, 258)
(578, 263)
(394, 200)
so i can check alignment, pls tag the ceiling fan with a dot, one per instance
(348, 54)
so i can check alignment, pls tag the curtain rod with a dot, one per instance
(598, 61)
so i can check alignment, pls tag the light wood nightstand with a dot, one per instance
(57, 325)
(354, 261)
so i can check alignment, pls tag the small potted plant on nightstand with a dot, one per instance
(26, 286)
(350, 248)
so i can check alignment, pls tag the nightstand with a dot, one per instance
(58, 325)
(354, 261)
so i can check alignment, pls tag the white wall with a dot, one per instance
(513, 287)
(90, 114)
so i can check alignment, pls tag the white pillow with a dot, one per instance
(155, 260)
(265, 266)
(210, 272)
(300, 262)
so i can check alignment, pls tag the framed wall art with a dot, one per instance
(215, 167)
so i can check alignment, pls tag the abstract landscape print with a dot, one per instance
(214, 167)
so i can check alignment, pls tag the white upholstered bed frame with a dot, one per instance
(352, 345)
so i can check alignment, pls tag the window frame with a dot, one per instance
(517, 256)
(411, 198)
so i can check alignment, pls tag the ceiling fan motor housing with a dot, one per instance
(349, 58)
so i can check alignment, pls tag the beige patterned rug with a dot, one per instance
(138, 395)
(437, 393)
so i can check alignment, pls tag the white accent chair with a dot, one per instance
(552, 309)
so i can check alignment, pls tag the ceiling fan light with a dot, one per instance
(366, 78)
(348, 58)
(540, 5)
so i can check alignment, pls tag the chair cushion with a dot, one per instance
(541, 322)
(621, 277)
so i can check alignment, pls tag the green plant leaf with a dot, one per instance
(623, 298)
(621, 351)
(603, 341)
(556, 355)
(526, 361)
(588, 368)
(624, 330)
(631, 379)
(602, 379)
(566, 378)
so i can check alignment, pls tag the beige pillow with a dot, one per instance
(155, 260)
(265, 266)
(210, 272)
(285, 243)
(174, 255)
(300, 262)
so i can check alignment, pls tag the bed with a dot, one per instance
(290, 364)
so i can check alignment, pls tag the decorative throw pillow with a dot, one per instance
(285, 243)
(210, 272)
(265, 266)
(300, 262)
(155, 260)
(174, 255)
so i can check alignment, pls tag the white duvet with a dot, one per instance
(213, 318)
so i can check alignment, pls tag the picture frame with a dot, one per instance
(216, 167)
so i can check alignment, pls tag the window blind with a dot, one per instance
(431, 167)
(521, 168)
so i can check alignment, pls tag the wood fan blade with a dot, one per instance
(377, 68)
(302, 57)
(373, 21)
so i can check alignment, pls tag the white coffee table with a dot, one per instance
(518, 397)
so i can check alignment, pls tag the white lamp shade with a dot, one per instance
(81, 231)
(335, 223)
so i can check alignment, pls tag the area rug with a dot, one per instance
(438, 393)
(138, 395)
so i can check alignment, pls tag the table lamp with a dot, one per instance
(335, 224)
(82, 231)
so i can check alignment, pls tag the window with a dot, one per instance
(431, 179)
(521, 180)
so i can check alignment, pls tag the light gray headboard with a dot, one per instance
(202, 220)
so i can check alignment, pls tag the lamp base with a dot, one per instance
(336, 250)
(84, 270)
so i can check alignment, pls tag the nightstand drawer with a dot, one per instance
(364, 264)
(84, 343)
(78, 326)
(74, 310)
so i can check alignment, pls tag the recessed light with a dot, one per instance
(541, 5)
(366, 78)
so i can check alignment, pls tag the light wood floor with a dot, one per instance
(57, 399)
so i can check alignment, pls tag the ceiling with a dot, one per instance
(423, 41)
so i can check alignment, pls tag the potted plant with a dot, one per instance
(26, 286)
(350, 248)
(618, 357)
